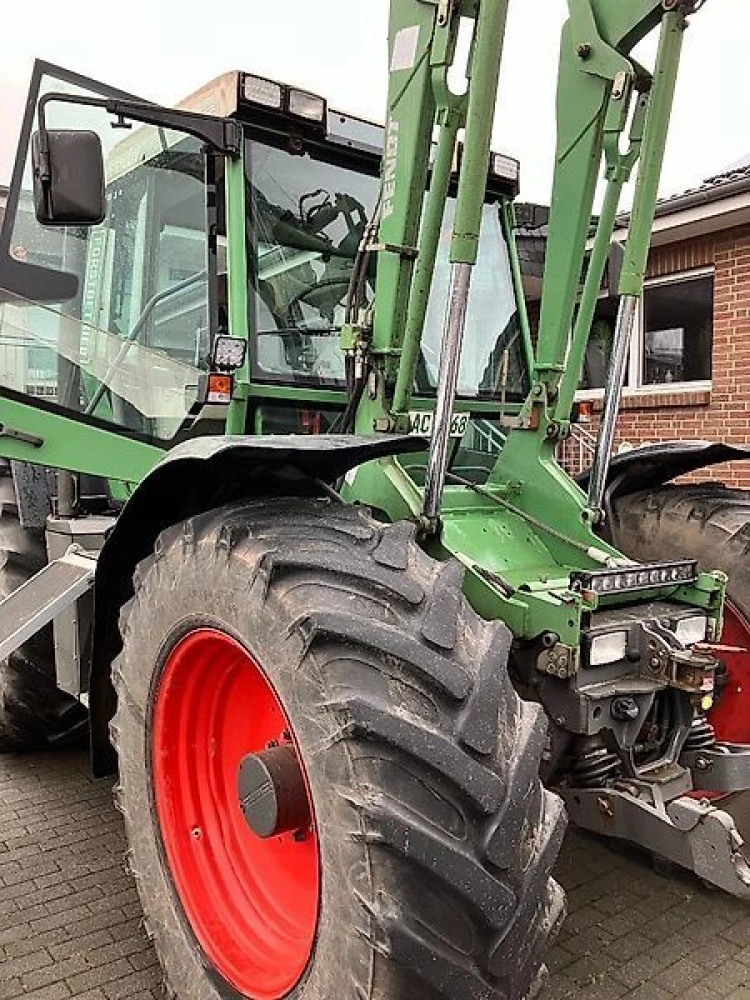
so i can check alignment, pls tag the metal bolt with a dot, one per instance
(702, 764)
(196, 833)
(583, 51)
(605, 807)
(624, 709)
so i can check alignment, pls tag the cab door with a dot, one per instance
(106, 331)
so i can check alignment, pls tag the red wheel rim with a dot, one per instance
(731, 716)
(252, 903)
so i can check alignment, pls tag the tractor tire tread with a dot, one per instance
(708, 521)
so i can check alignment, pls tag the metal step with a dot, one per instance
(50, 591)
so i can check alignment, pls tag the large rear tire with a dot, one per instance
(34, 713)
(711, 523)
(434, 836)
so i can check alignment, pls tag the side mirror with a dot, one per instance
(68, 177)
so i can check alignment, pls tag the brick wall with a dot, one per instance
(723, 414)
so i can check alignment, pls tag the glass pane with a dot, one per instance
(599, 347)
(472, 456)
(492, 361)
(118, 323)
(37, 343)
(678, 332)
(307, 219)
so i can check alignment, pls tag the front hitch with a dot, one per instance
(694, 833)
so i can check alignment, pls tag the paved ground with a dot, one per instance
(70, 920)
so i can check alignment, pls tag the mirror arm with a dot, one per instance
(222, 134)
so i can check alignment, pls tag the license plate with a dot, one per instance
(421, 423)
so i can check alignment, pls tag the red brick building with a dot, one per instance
(689, 367)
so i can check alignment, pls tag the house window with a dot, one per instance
(672, 341)
(677, 331)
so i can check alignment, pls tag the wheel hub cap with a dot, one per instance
(272, 792)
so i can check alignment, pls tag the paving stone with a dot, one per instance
(71, 924)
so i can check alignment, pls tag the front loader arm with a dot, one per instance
(597, 83)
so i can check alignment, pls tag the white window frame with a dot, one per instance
(634, 386)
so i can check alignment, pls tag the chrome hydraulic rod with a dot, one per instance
(612, 396)
(450, 363)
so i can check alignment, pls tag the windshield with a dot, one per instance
(306, 221)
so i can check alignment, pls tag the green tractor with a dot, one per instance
(308, 568)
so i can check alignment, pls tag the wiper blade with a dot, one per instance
(290, 330)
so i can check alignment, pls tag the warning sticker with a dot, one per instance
(405, 49)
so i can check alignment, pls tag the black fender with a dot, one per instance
(198, 475)
(653, 465)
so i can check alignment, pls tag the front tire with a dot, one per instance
(434, 835)
(707, 522)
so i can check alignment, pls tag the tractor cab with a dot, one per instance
(132, 321)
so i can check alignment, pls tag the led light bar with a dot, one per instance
(644, 577)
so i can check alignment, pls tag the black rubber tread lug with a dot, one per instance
(447, 979)
(306, 558)
(440, 623)
(440, 754)
(478, 726)
(504, 834)
(393, 548)
(444, 675)
(459, 870)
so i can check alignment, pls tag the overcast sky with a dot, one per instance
(163, 49)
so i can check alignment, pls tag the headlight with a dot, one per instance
(607, 648)
(262, 91)
(305, 105)
(691, 630)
